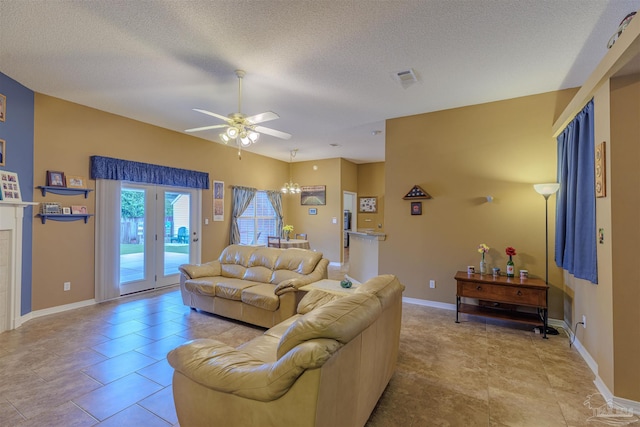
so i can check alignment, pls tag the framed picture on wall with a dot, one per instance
(368, 204)
(218, 201)
(416, 208)
(3, 107)
(313, 211)
(313, 195)
(3, 151)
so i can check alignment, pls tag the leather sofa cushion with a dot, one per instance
(261, 296)
(301, 261)
(280, 276)
(340, 320)
(258, 273)
(264, 257)
(237, 254)
(229, 288)
(235, 271)
(201, 286)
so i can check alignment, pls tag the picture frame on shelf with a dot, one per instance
(66, 211)
(313, 195)
(3, 108)
(10, 187)
(75, 181)
(3, 151)
(368, 204)
(55, 179)
(78, 210)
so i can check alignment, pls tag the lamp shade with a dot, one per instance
(547, 189)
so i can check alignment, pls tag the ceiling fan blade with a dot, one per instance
(206, 128)
(273, 132)
(262, 117)
(209, 113)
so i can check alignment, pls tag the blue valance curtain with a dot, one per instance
(576, 204)
(126, 170)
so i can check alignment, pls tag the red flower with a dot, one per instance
(510, 251)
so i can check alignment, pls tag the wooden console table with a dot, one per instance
(505, 295)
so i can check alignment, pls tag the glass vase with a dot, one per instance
(483, 266)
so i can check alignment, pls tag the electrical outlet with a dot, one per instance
(584, 321)
(432, 284)
(67, 286)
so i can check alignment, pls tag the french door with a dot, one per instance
(158, 232)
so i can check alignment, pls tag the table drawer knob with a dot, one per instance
(519, 293)
(479, 288)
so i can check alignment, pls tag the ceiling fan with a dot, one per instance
(244, 129)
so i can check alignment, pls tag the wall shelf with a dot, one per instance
(64, 218)
(64, 191)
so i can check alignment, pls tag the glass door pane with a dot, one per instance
(134, 245)
(177, 234)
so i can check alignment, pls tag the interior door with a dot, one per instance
(158, 232)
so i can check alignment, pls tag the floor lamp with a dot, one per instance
(547, 190)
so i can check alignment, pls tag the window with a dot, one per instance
(258, 221)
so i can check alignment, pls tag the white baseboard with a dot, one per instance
(54, 310)
(428, 303)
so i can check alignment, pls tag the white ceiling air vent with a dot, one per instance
(405, 77)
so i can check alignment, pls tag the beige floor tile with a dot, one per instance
(161, 404)
(116, 396)
(134, 416)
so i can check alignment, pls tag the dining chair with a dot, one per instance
(302, 236)
(273, 241)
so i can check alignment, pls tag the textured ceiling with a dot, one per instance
(326, 67)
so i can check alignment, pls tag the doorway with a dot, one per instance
(349, 221)
(158, 232)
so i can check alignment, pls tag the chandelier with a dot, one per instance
(290, 187)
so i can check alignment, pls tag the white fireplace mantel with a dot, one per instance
(11, 218)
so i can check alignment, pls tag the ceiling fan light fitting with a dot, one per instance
(253, 136)
(224, 138)
(232, 132)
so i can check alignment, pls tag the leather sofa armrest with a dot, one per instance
(194, 271)
(222, 368)
(291, 285)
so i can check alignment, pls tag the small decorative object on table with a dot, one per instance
(288, 229)
(510, 266)
(496, 271)
(483, 249)
(346, 284)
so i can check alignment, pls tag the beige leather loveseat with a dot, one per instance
(254, 284)
(327, 366)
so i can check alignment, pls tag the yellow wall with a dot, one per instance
(324, 235)
(625, 233)
(460, 157)
(371, 183)
(67, 134)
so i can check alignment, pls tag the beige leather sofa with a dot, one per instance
(327, 366)
(254, 284)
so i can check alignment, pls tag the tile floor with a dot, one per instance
(105, 365)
